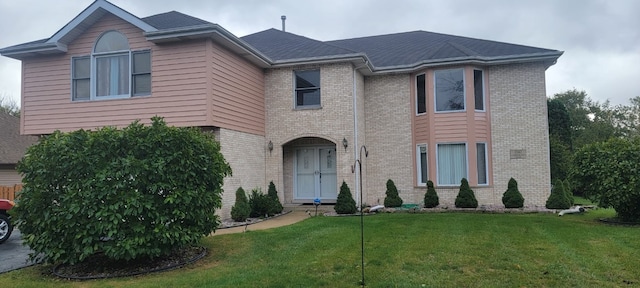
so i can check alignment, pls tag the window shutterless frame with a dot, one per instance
(478, 89)
(422, 165)
(482, 163)
(421, 94)
(306, 94)
(449, 90)
(452, 163)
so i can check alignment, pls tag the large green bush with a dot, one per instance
(431, 199)
(558, 198)
(512, 198)
(241, 209)
(138, 192)
(466, 198)
(392, 198)
(276, 206)
(609, 173)
(345, 203)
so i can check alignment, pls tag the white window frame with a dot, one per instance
(484, 91)
(486, 164)
(94, 72)
(425, 94)
(419, 164)
(466, 155)
(435, 89)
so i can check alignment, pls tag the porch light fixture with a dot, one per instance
(345, 143)
(270, 146)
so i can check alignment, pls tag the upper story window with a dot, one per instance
(449, 90)
(112, 70)
(478, 89)
(307, 91)
(421, 94)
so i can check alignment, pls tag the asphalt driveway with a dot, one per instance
(13, 255)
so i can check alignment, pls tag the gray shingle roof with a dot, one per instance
(279, 46)
(12, 144)
(392, 50)
(172, 20)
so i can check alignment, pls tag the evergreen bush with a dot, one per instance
(275, 207)
(558, 198)
(241, 209)
(392, 198)
(512, 198)
(569, 191)
(260, 204)
(345, 203)
(466, 198)
(431, 199)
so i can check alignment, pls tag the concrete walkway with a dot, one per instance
(14, 255)
(284, 220)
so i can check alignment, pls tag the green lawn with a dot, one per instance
(405, 250)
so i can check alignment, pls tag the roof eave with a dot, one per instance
(354, 58)
(214, 32)
(550, 58)
(40, 49)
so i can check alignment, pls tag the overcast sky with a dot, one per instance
(600, 38)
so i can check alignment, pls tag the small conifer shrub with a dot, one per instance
(392, 199)
(466, 198)
(345, 203)
(558, 198)
(431, 199)
(512, 198)
(241, 209)
(569, 191)
(259, 203)
(275, 207)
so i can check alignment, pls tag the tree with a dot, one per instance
(345, 203)
(392, 198)
(609, 173)
(241, 209)
(512, 198)
(466, 198)
(558, 198)
(275, 206)
(431, 199)
(9, 106)
(139, 192)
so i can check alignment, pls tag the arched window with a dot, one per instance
(112, 70)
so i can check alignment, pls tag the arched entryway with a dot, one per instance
(310, 170)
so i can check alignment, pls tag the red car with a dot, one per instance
(5, 224)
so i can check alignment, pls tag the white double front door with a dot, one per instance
(315, 174)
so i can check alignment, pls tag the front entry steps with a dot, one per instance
(309, 207)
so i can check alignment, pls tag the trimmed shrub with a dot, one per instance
(260, 204)
(275, 207)
(392, 199)
(241, 209)
(558, 198)
(431, 199)
(345, 203)
(132, 193)
(466, 198)
(512, 197)
(569, 192)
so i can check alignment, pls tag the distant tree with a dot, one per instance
(392, 198)
(9, 106)
(431, 199)
(345, 203)
(466, 198)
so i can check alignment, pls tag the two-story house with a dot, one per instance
(296, 111)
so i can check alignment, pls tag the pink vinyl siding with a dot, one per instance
(194, 83)
(238, 92)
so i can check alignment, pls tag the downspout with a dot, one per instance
(355, 133)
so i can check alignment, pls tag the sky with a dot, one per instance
(600, 38)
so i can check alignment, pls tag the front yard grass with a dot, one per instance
(404, 250)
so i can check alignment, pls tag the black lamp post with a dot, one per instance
(353, 169)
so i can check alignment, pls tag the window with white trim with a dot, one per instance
(421, 95)
(478, 89)
(481, 160)
(449, 90)
(112, 70)
(422, 164)
(307, 89)
(451, 163)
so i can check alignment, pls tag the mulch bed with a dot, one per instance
(99, 266)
